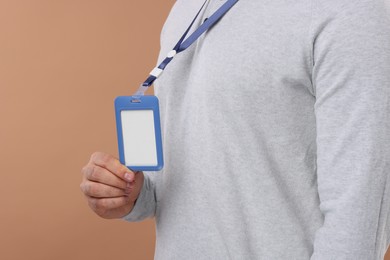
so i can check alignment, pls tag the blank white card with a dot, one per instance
(139, 138)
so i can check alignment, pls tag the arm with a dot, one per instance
(351, 80)
(145, 205)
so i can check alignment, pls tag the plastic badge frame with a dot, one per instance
(125, 103)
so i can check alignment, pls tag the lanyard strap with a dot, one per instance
(182, 44)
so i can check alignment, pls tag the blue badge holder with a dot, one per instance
(139, 132)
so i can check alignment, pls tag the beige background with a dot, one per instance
(62, 63)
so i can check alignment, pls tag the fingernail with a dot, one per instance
(128, 177)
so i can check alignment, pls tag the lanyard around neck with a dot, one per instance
(182, 44)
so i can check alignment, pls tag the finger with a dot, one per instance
(113, 165)
(107, 203)
(98, 174)
(99, 190)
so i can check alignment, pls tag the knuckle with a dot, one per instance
(92, 173)
(105, 159)
(85, 188)
(84, 169)
(92, 190)
(94, 156)
(100, 157)
(92, 203)
(95, 205)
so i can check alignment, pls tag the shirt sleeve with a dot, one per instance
(351, 82)
(145, 205)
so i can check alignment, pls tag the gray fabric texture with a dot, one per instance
(276, 133)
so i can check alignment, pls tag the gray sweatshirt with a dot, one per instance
(276, 133)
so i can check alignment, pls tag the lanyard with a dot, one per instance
(182, 44)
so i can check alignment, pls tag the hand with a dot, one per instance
(110, 187)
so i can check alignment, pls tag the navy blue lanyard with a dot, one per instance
(182, 44)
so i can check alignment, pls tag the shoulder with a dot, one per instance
(358, 19)
(362, 9)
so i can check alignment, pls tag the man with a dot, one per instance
(276, 136)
